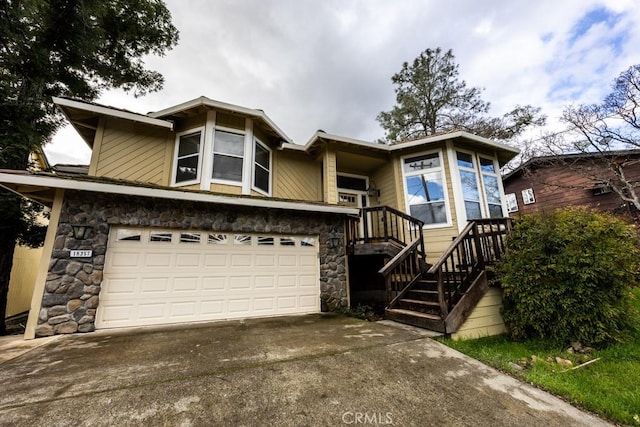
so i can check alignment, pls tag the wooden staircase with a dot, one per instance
(443, 296)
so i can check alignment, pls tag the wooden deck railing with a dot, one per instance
(385, 224)
(480, 244)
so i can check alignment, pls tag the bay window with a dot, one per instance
(261, 167)
(188, 152)
(228, 156)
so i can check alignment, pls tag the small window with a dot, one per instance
(287, 241)
(128, 235)
(486, 165)
(160, 237)
(527, 196)
(512, 203)
(601, 188)
(188, 157)
(189, 237)
(265, 241)
(428, 161)
(228, 156)
(217, 239)
(262, 167)
(242, 239)
(308, 242)
(352, 183)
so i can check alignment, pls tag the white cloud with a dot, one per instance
(328, 64)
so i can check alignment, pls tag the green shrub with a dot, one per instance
(567, 276)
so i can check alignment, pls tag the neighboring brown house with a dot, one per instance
(551, 182)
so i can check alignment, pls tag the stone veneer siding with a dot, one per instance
(72, 287)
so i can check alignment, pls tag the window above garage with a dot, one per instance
(224, 151)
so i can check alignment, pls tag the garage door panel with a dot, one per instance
(221, 277)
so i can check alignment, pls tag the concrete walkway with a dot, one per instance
(293, 371)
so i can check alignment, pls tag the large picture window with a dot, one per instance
(425, 188)
(491, 187)
(188, 157)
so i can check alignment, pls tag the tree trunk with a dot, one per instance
(7, 248)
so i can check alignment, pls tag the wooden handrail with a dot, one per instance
(393, 263)
(463, 235)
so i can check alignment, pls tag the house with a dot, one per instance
(207, 210)
(551, 182)
(25, 259)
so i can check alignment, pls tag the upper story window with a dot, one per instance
(491, 187)
(425, 185)
(527, 196)
(512, 202)
(261, 167)
(188, 157)
(233, 157)
(228, 156)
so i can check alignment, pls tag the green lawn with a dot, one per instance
(609, 387)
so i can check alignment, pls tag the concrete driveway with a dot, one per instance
(292, 371)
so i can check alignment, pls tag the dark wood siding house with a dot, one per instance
(551, 182)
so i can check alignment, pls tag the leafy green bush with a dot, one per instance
(567, 276)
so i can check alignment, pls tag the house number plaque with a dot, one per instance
(81, 254)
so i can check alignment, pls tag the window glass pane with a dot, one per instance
(287, 241)
(160, 237)
(228, 143)
(189, 144)
(129, 235)
(487, 165)
(229, 168)
(189, 237)
(352, 183)
(429, 213)
(473, 210)
(265, 241)
(424, 188)
(217, 239)
(469, 185)
(242, 239)
(512, 202)
(262, 156)
(491, 189)
(422, 162)
(308, 241)
(261, 179)
(495, 211)
(187, 169)
(464, 160)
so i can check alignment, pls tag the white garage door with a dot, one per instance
(155, 277)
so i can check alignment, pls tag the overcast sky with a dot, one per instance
(328, 64)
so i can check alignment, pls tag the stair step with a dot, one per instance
(422, 320)
(422, 295)
(429, 307)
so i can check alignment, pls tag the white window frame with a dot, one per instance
(243, 157)
(255, 164)
(494, 174)
(445, 185)
(528, 197)
(512, 202)
(475, 168)
(176, 150)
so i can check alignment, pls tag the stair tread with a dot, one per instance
(414, 313)
(423, 291)
(418, 301)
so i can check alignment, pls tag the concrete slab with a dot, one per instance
(12, 346)
(305, 370)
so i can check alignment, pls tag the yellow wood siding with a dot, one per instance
(224, 188)
(23, 278)
(438, 240)
(330, 177)
(132, 151)
(485, 319)
(385, 180)
(296, 177)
